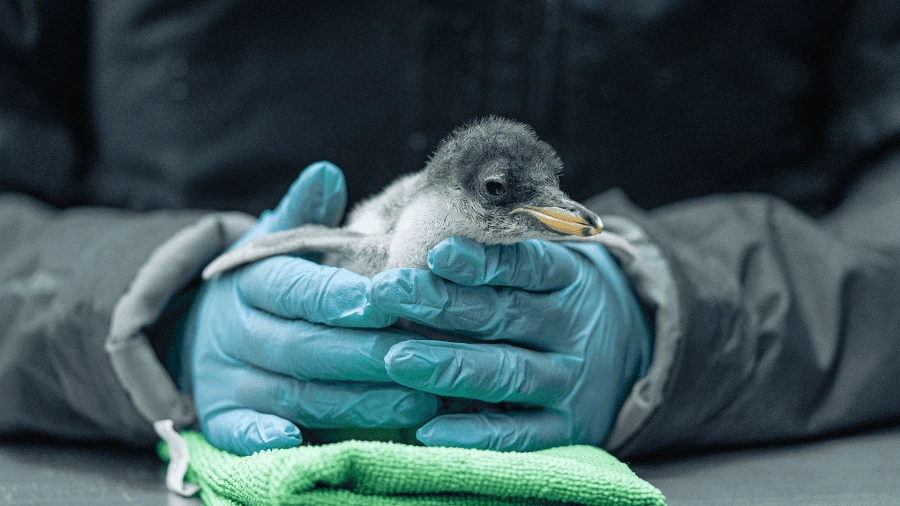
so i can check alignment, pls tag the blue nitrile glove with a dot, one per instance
(559, 330)
(271, 346)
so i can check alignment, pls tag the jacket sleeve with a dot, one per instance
(771, 324)
(77, 289)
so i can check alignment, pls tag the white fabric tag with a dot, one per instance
(178, 459)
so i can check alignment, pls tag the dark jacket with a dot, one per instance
(775, 309)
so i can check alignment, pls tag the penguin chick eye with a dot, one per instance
(494, 187)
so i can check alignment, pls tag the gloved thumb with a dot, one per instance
(244, 431)
(319, 195)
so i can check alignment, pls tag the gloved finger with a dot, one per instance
(323, 405)
(485, 372)
(305, 350)
(319, 196)
(244, 431)
(521, 431)
(539, 266)
(483, 312)
(296, 288)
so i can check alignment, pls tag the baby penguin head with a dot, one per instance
(504, 182)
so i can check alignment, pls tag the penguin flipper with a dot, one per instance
(304, 239)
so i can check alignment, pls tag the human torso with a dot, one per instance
(667, 100)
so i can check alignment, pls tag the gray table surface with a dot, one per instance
(859, 469)
(863, 469)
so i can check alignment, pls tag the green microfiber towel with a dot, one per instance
(367, 473)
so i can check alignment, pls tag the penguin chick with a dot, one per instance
(493, 181)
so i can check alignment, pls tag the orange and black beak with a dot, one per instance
(567, 217)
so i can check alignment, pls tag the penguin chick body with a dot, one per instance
(493, 181)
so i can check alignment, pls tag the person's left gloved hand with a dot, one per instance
(559, 330)
(286, 344)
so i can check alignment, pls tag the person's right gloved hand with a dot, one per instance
(287, 342)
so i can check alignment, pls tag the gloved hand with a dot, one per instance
(560, 330)
(288, 342)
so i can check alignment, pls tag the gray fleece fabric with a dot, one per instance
(61, 275)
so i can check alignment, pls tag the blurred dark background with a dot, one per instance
(220, 104)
